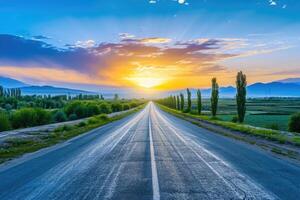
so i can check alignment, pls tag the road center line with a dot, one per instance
(155, 184)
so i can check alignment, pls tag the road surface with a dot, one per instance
(150, 155)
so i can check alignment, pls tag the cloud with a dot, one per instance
(130, 59)
(41, 37)
(85, 44)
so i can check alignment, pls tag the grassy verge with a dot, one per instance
(16, 147)
(268, 134)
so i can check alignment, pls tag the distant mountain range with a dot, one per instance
(38, 90)
(281, 88)
(290, 80)
(42, 90)
(11, 83)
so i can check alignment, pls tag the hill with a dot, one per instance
(11, 83)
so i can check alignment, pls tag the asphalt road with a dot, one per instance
(150, 155)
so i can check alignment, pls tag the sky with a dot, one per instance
(156, 44)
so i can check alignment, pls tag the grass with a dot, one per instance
(16, 147)
(273, 113)
(268, 134)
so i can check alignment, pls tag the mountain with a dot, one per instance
(11, 83)
(45, 90)
(272, 89)
(290, 80)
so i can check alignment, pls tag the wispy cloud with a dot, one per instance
(131, 58)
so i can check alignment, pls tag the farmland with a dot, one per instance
(271, 113)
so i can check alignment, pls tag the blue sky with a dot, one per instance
(262, 37)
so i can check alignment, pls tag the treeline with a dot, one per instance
(71, 110)
(10, 92)
(178, 101)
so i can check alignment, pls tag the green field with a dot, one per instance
(264, 112)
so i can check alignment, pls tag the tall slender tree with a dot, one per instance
(178, 102)
(199, 102)
(1, 91)
(174, 102)
(181, 101)
(189, 100)
(214, 97)
(241, 92)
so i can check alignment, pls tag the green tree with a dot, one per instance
(241, 84)
(116, 107)
(60, 116)
(116, 97)
(174, 102)
(4, 122)
(105, 108)
(199, 102)
(181, 101)
(178, 102)
(189, 100)
(214, 97)
(294, 123)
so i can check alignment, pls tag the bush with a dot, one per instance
(273, 126)
(234, 119)
(28, 117)
(116, 107)
(294, 123)
(4, 122)
(92, 121)
(81, 124)
(133, 105)
(77, 108)
(92, 109)
(60, 116)
(126, 107)
(73, 117)
(103, 117)
(104, 108)
(42, 116)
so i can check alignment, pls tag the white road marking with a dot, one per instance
(155, 184)
(243, 183)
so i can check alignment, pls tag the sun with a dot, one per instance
(147, 82)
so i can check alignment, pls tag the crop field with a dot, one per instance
(271, 113)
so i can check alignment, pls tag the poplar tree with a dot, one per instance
(241, 84)
(189, 100)
(178, 103)
(174, 102)
(199, 102)
(214, 97)
(181, 101)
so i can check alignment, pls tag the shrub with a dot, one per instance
(81, 124)
(273, 126)
(4, 122)
(63, 128)
(294, 123)
(28, 117)
(234, 119)
(92, 121)
(133, 105)
(92, 109)
(77, 108)
(103, 117)
(104, 108)
(116, 107)
(60, 116)
(42, 116)
(126, 106)
(73, 117)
